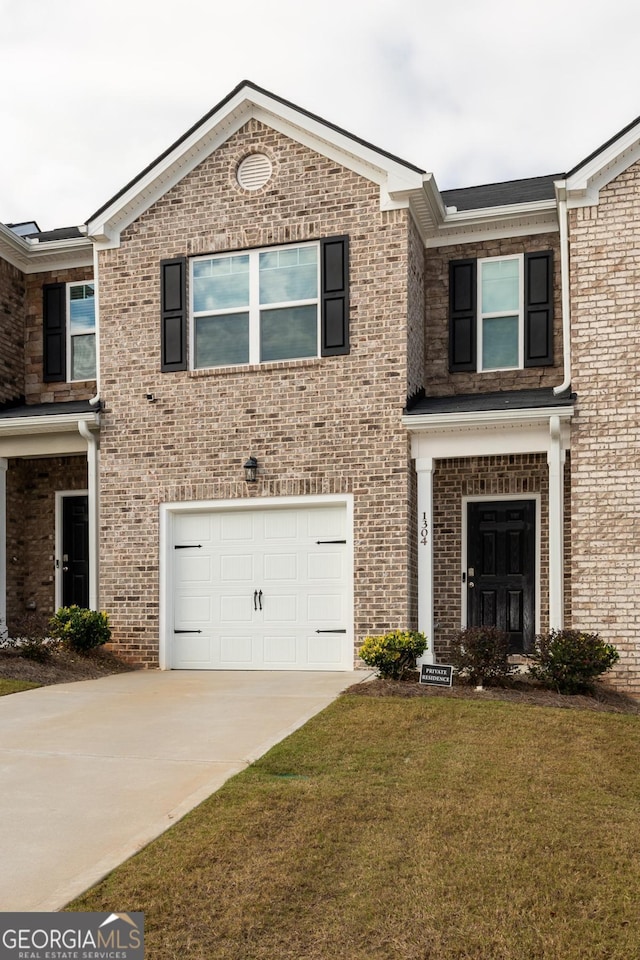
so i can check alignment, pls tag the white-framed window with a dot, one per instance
(81, 330)
(255, 306)
(501, 313)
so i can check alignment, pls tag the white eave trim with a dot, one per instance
(584, 186)
(55, 423)
(486, 223)
(427, 422)
(34, 256)
(391, 175)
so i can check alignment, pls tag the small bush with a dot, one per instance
(393, 654)
(570, 660)
(481, 654)
(29, 638)
(79, 629)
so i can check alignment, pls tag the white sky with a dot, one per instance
(475, 91)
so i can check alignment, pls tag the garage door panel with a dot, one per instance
(280, 608)
(236, 609)
(261, 589)
(279, 652)
(325, 566)
(193, 569)
(237, 567)
(236, 650)
(280, 566)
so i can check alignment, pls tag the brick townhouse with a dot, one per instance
(281, 392)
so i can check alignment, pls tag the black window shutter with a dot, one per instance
(54, 332)
(334, 265)
(173, 338)
(538, 309)
(462, 315)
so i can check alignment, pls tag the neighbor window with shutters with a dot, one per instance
(69, 331)
(501, 313)
(256, 306)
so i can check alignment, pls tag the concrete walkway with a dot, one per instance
(90, 772)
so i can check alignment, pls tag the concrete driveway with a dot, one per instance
(90, 772)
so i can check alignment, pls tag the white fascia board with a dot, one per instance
(389, 174)
(55, 423)
(584, 186)
(488, 223)
(483, 418)
(33, 256)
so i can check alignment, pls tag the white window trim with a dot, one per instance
(69, 336)
(253, 308)
(482, 316)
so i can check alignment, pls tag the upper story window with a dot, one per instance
(81, 340)
(255, 307)
(69, 331)
(501, 313)
(500, 308)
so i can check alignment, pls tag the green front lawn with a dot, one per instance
(410, 829)
(15, 686)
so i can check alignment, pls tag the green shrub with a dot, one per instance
(569, 660)
(394, 653)
(79, 629)
(481, 655)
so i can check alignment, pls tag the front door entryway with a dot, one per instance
(501, 568)
(73, 559)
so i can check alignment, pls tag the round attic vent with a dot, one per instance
(254, 171)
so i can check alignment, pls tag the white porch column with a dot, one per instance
(424, 469)
(3, 544)
(92, 504)
(555, 459)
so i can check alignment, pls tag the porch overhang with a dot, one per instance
(46, 430)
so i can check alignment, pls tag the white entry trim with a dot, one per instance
(169, 510)
(500, 498)
(60, 496)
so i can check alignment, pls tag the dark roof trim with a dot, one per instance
(71, 407)
(223, 103)
(540, 398)
(603, 147)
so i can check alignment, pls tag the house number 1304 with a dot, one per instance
(424, 531)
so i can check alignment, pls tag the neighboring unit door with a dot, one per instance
(501, 568)
(261, 589)
(74, 560)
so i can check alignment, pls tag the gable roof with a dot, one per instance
(585, 181)
(246, 101)
(502, 194)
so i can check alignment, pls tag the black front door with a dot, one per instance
(501, 568)
(75, 551)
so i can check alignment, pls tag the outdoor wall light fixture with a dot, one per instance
(251, 470)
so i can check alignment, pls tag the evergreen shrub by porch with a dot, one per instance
(569, 660)
(394, 653)
(481, 655)
(79, 629)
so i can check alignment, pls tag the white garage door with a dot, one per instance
(263, 589)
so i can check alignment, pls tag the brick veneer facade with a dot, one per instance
(440, 382)
(36, 391)
(31, 490)
(327, 425)
(12, 300)
(605, 292)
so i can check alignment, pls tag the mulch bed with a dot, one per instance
(63, 666)
(603, 698)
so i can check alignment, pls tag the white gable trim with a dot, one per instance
(586, 182)
(389, 174)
